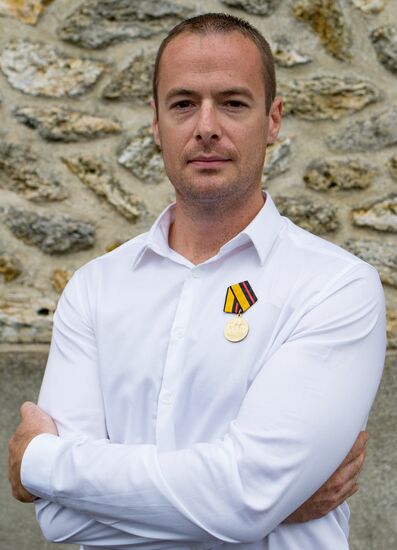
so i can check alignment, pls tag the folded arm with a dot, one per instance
(298, 420)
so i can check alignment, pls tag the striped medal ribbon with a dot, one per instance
(239, 298)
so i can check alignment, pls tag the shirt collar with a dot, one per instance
(262, 232)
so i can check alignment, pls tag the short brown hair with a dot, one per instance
(223, 23)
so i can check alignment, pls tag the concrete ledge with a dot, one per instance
(374, 507)
(21, 371)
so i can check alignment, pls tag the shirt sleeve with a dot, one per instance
(71, 394)
(296, 424)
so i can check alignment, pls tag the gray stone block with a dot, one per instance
(53, 235)
(41, 70)
(99, 23)
(328, 21)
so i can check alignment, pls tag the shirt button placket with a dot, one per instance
(196, 273)
(165, 435)
(166, 397)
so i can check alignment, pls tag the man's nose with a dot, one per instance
(207, 128)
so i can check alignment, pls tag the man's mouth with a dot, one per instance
(210, 161)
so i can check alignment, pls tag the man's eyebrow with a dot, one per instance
(241, 91)
(237, 91)
(174, 92)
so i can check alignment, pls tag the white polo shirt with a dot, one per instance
(173, 437)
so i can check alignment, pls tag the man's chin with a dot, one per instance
(210, 199)
(206, 191)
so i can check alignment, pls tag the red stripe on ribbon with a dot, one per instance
(248, 292)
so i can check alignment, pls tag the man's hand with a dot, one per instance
(34, 421)
(340, 486)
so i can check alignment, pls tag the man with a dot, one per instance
(206, 378)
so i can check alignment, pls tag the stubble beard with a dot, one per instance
(217, 198)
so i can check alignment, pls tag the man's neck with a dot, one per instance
(198, 234)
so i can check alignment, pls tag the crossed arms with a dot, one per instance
(285, 442)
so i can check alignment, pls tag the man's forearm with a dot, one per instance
(61, 524)
(127, 496)
(64, 525)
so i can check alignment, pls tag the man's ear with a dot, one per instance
(274, 120)
(155, 124)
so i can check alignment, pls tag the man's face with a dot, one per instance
(211, 122)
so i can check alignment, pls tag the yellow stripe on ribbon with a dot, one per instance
(240, 296)
(229, 301)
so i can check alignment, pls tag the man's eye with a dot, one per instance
(235, 104)
(184, 104)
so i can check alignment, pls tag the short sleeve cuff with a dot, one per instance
(37, 464)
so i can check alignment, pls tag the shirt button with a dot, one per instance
(179, 332)
(166, 397)
(196, 273)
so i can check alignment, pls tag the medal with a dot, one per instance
(239, 298)
(236, 329)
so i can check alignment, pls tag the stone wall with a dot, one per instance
(79, 172)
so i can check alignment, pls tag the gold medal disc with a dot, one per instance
(236, 329)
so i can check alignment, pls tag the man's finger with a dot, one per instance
(27, 408)
(359, 444)
(35, 420)
(349, 489)
(346, 473)
(346, 479)
(353, 468)
(337, 499)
